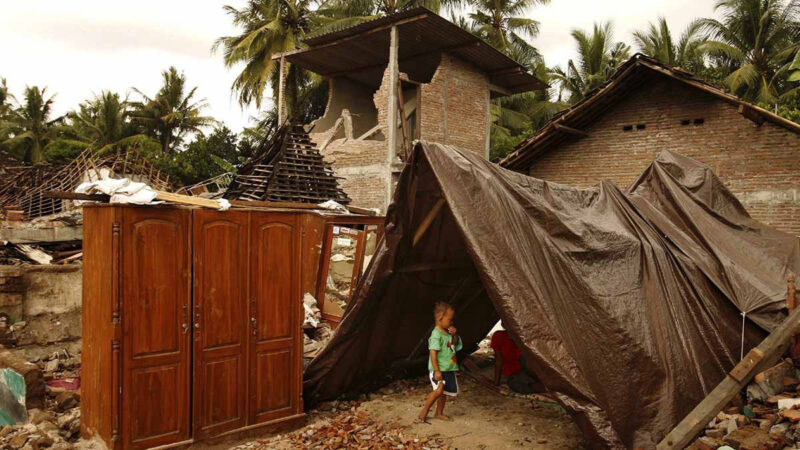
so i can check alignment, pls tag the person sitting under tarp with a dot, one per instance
(508, 362)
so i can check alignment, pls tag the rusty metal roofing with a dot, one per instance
(362, 51)
(630, 75)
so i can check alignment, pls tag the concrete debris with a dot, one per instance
(312, 312)
(44, 254)
(316, 339)
(55, 421)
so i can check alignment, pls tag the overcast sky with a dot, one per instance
(82, 47)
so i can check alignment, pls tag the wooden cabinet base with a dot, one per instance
(252, 431)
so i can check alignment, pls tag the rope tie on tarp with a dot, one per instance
(741, 352)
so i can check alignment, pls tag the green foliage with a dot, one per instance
(657, 42)
(598, 58)
(172, 113)
(29, 128)
(63, 151)
(203, 158)
(755, 40)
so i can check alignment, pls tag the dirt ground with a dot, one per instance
(482, 418)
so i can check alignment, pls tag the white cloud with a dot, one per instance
(80, 50)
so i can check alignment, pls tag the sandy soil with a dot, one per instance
(481, 419)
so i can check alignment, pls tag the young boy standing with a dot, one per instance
(442, 365)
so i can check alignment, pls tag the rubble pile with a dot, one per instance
(57, 425)
(316, 333)
(765, 416)
(350, 429)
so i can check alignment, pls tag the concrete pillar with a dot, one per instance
(391, 114)
(281, 91)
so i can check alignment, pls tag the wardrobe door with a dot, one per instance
(274, 316)
(220, 321)
(155, 285)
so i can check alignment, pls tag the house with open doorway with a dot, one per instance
(646, 107)
(406, 76)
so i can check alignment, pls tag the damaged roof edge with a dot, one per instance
(423, 22)
(527, 151)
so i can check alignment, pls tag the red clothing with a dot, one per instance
(503, 345)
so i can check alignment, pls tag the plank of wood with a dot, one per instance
(186, 199)
(570, 130)
(772, 348)
(66, 195)
(360, 210)
(427, 221)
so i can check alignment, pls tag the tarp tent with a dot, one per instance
(626, 306)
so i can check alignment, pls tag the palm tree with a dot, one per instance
(499, 23)
(103, 122)
(268, 27)
(30, 126)
(172, 113)
(598, 58)
(756, 39)
(657, 43)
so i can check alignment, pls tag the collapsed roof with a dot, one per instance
(28, 186)
(625, 305)
(570, 123)
(287, 168)
(361, 52)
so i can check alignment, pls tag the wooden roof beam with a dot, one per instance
(351, 37)
(569, 130)
(751, 114)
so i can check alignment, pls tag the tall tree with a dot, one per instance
(172, 113)
(657, 42)
(756, 39)
(598, 58)
(501, 24)
(268, 27)
(30, 125)
(103, 121)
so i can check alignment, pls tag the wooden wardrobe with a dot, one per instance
(191, 323)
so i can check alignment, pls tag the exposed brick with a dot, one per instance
(759, 164)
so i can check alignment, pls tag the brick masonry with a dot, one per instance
(759, 164)
(454, 109)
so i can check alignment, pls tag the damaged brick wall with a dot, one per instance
(454, 109)
(758, 164)
(455, 106)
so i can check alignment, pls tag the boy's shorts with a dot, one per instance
(450, 383)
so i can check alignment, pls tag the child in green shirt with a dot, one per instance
(442, 365)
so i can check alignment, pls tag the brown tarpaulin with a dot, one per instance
(626, 306)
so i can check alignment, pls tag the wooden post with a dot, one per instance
(427, 221)
(756, 361)
(281, 93)
(401, 106)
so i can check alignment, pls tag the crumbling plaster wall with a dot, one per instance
(33, 290)
(364, 165)
(759, 164)
(353, 96)
(455, 106)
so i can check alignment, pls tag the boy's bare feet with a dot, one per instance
(422, 420)
(441, 417)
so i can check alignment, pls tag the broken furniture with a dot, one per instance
(349, 244)
(191, 322)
